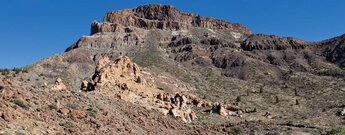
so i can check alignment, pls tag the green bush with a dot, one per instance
(91, 112)
(20, 103)
(17, 70)
(5, 71)
(337, 131)
(52, 107)
(66, 124)
(235, 131)
(5, 133)
(238, 99)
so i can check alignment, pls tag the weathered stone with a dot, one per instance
(64, 111)
(59, 85)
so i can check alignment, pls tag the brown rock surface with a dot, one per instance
(161, 17)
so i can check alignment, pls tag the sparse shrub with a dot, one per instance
(261, 89)
(337, 131)
(276, 99)
(66, 124)
(235, 131)
(238, 99)
(296, 92)
(20, 103)
(25, 71)
(91, 112)
(17, 70)
(5, 71)
(204, 97)
(138, 80)
(52, 107)
(5, 133)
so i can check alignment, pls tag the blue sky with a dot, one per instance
(35, 29)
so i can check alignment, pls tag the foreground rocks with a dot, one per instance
(124, 80)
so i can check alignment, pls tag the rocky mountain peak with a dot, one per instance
(163, 17)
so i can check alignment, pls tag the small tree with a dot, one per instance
(297, 102)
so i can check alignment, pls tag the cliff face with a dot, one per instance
(162, 17)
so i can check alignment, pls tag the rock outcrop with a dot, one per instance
(333, 49)
(59, 85)
(226, 110)
(161, 17)
(124, 79)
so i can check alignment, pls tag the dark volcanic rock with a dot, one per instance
(334, 50)
(271, 42)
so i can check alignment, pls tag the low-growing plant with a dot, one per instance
(91, 112)
(296, 92)
(52, 107)
(17, 70)
(20, 103)
(337, 131)
(235, 131)
(238, 99)
(5, 71)
(5, 133)
(67, 124)
(276, 99)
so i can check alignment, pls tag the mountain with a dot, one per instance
(156, 70)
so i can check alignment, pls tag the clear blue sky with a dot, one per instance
(34, 29)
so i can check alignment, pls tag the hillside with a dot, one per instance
(156, 70)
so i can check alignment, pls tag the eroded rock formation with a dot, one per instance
(161, 17)
(124, 80)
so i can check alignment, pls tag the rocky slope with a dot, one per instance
(156, 70)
